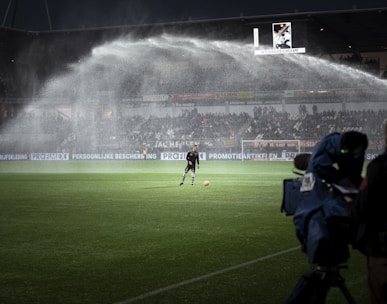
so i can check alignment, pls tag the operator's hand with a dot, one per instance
(190, 163)
(364, 183)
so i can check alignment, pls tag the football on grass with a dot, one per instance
(206, 183)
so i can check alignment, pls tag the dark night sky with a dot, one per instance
(71, 14)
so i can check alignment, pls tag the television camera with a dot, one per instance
(317, 200)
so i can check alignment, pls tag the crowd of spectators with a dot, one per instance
(212, 129)
(368, 64)
(52, 133)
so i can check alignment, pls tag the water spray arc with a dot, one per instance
(158, 76)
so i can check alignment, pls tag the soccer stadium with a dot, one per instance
(95, 125)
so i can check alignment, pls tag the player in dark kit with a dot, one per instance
(192, 157)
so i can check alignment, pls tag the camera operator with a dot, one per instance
(334, 170)
(369, 209)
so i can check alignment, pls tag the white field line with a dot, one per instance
(205, 276)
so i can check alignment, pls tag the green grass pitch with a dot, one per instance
(125, 232)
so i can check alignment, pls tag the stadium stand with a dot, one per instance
(29, 59)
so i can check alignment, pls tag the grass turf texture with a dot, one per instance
(111, 231)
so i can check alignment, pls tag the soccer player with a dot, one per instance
(192, 158)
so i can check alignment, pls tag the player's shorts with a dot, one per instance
(190, 167)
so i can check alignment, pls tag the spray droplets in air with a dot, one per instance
(126, 72)
(175, 65)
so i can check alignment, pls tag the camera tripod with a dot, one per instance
(329, 276)
(313, 286)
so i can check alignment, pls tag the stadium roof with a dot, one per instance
(339, 26)
(43, 15)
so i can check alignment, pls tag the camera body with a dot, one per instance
(317, 199)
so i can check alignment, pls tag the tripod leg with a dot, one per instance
(320, 294)
(310, 289)
(341, 284)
